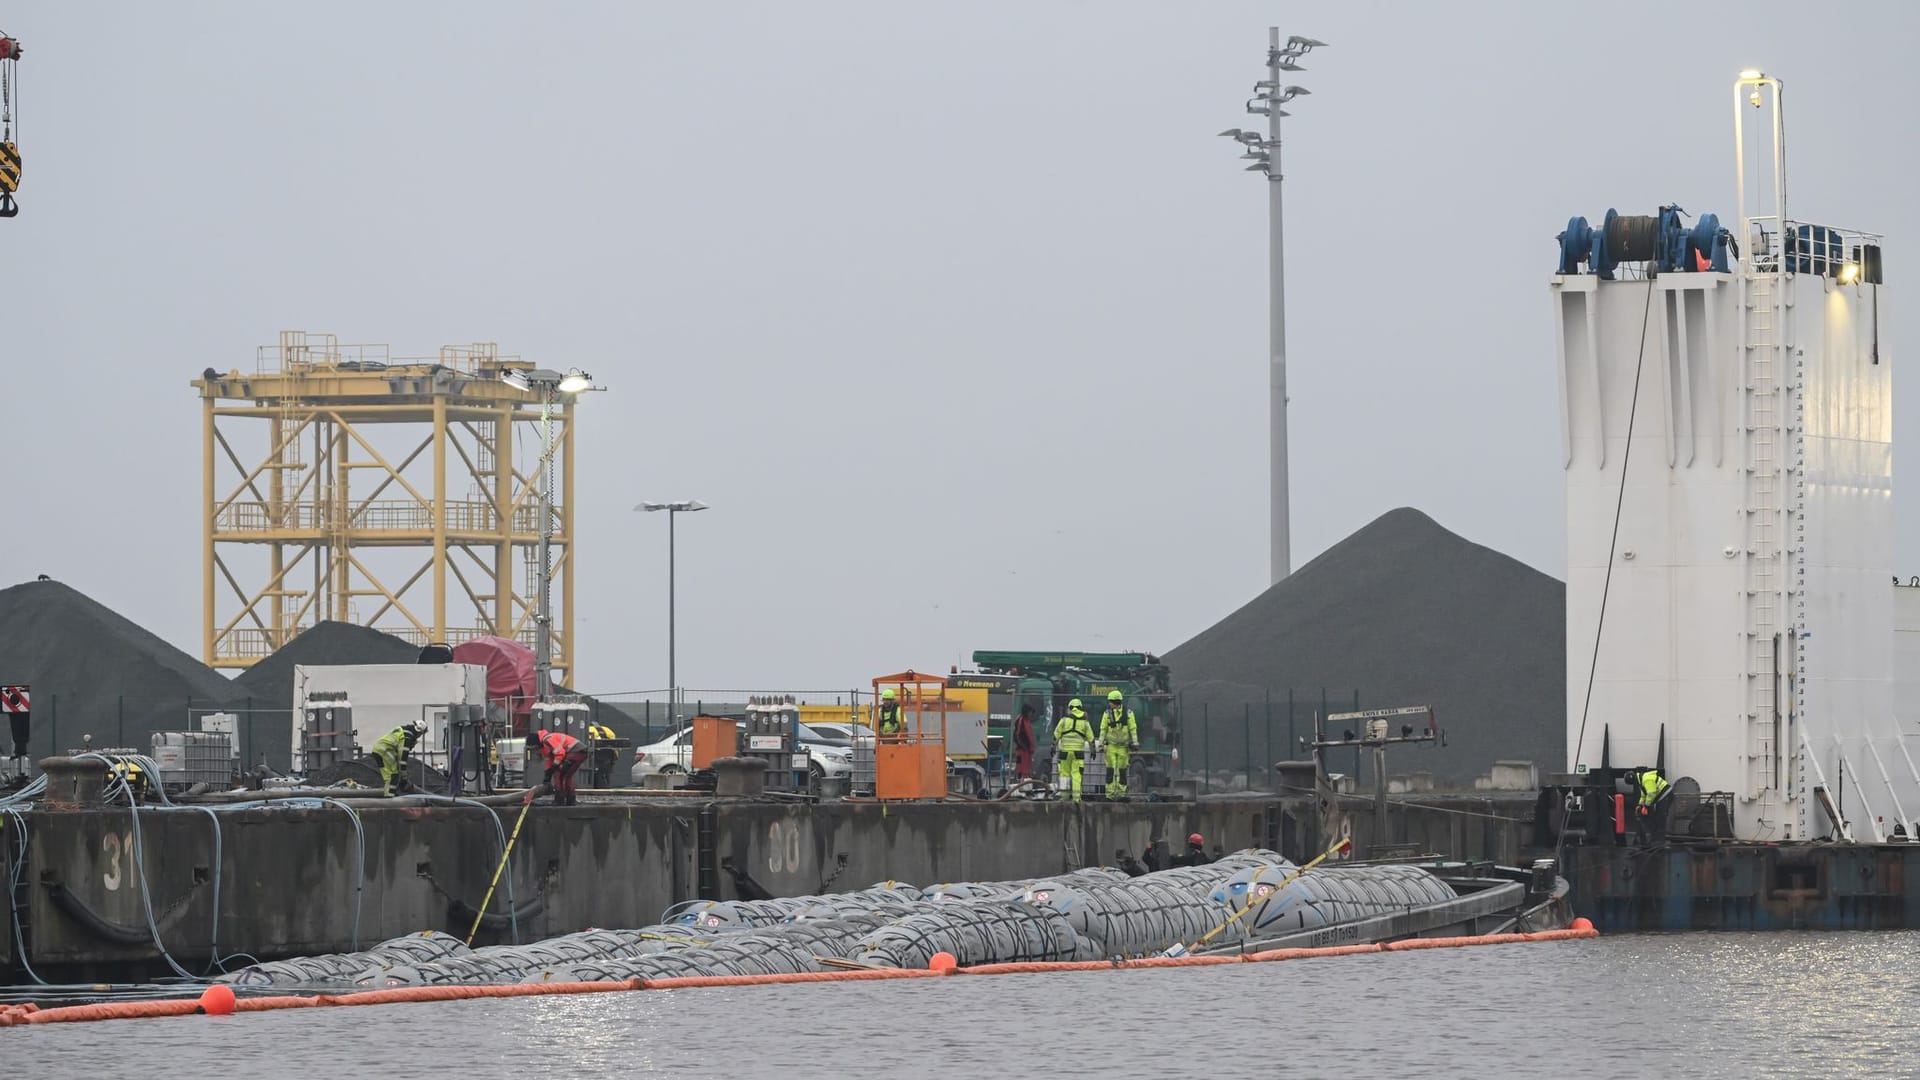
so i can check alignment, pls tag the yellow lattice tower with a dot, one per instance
(376, 474)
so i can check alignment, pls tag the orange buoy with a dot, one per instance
(942, 961)
(1581, 923)
(217, 1000)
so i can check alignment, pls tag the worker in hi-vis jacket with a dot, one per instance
(1070, 738)
(1120, 733)
(394, 750)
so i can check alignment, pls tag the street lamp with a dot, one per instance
(546, 383)
(685, 506)
(1268, 95)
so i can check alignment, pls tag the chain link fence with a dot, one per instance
(1231, 738)
(262, 734)
(1229, 742)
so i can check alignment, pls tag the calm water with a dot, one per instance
(1695, 1005)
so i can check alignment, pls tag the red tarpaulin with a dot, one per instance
(510, 671)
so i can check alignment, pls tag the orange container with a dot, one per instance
(910, 770)
(714, 737)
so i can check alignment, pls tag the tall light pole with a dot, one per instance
(1268, 95)
(685, 506)
(547, 384)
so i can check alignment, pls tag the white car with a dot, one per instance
(829, 754)
(673, 754)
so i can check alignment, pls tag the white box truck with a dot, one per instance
(384, 696)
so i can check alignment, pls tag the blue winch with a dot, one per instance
(1662, 240)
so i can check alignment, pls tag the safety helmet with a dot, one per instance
(888, 694)
(1196, 840)
(1115, 695)
(417, 727)
(1075, 706)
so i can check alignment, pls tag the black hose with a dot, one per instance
(102, 927)
(216, 797)
(743, 884)
(460, 913)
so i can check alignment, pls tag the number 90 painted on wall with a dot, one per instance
(783, 847)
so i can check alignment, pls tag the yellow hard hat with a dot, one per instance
(1075, 706)
(1115, 695)
(887, 694)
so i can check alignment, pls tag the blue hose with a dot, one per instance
(13, 915)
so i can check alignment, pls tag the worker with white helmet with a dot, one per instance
(394, 750)
(1071, 737)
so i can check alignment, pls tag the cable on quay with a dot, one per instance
(15, 1015)
(120, 786)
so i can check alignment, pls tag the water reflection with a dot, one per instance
(1699, 1005)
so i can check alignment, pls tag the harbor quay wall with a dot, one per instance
(280, 881)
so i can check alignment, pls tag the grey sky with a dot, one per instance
(956, 315)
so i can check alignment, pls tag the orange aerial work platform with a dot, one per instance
(912, 763)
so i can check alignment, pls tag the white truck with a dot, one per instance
(382, 697)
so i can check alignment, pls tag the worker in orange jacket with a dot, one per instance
(563, 755)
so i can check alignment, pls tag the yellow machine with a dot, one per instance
(832, 714)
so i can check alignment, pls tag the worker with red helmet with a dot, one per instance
(1196, 853)
(563, 755)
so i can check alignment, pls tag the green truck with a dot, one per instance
(1048, 680)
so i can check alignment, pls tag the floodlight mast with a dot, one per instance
(547, 383)
(1268, 95)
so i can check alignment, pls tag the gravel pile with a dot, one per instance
(94, 672)
(268, 685)
(1410, 614)
(270, 681)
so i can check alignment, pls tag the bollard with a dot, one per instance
(737, 777)
(74, 782)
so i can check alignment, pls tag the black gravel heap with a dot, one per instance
(94, 672)
(1409, 614)
(270, 682)
(268, 685)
